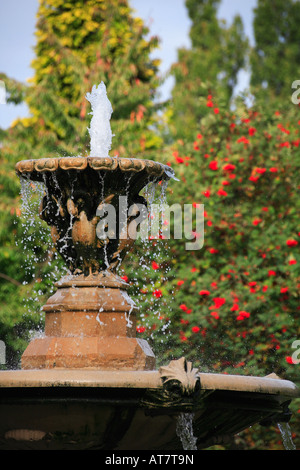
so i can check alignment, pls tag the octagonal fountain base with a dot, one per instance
(133, 410)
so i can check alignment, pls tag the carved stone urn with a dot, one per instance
(90, 321)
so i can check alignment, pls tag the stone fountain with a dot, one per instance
(89, 382)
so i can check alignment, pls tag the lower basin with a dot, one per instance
(133, 410)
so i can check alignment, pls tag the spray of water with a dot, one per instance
(154, 315)
(184, 430)
(42, 266)
(100, 130)
(286, 434)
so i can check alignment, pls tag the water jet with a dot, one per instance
(92, 384)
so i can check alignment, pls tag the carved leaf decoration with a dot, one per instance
(180, 376)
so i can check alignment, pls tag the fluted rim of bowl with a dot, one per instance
(45, 165)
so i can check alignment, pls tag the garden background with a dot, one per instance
(232, 306)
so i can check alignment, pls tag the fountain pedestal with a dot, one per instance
(90, 322)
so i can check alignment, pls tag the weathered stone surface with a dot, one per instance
(109, 353)
(89, 326)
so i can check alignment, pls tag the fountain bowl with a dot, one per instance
(134, 410)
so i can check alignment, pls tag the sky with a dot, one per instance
(167, 19)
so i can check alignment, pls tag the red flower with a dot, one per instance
(215, 315)
(243, 139)
(292, 261)
(204, 292)
(140, 329)
(213, 165)
(195, 329)
(155, 265)
(229, 167)
(206, 193)
(291, 242)
(179, 159)
(256, 221)
(271, 273)
(234, 308)
(289, 360)
(179, 283)
(221, 192)
(219, 301)
(242, 315)
(216, 110)
(157, 293)
(213, 250)
(183, 307)
(280, 126)
(283, 290)
(209, 104)
(125, 278)
(273, 169)
(254, 178)
(251, 130)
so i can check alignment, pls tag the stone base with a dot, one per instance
(110, 353)
(90, 323)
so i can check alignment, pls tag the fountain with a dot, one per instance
(89, 382)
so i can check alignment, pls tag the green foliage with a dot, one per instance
(275, 60)
(15, 91)
(211, 65)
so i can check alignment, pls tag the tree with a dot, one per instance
(275, 59)
(79, 44)
(210, 66)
